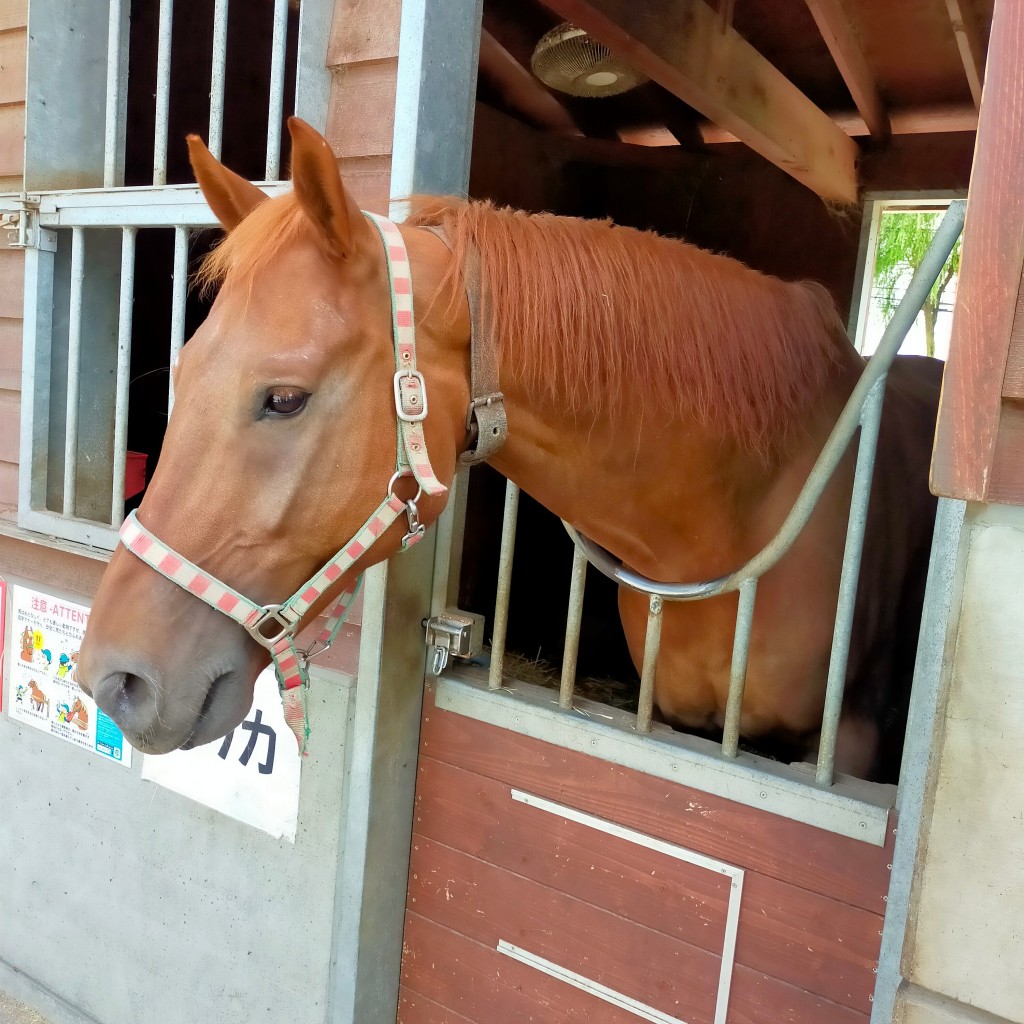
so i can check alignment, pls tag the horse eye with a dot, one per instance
(284, 401)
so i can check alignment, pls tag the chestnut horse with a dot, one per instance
(667, 402)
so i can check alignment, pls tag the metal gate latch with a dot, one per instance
(21, 227)
(454, 634)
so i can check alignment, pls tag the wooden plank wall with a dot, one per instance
(979, 448)
(363, 57)
(13, 50)
(486, 867)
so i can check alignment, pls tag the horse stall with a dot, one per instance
(513, 806)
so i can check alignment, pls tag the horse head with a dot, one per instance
(281, 442)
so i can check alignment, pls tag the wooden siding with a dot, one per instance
(487, 867)
(13, 51)
(50, 567)
(363, 58)
(980, 436)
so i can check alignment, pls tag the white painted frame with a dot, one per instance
(875, 204)
(681, 853)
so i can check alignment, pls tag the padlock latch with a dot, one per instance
(455, 634)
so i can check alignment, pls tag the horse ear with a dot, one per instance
(321, 192)
(230, 196)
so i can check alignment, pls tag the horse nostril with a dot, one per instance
(131, 700)
(133, 689)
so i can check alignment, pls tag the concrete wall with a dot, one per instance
(124, 903)
(964, 952)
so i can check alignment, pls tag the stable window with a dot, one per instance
(895, 235)
(110, 221)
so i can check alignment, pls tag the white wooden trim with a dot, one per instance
(611, 828)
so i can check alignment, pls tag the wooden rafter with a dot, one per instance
(688, 50)
(911, 121)
(841, 40)
(972, 46)
(520, 89)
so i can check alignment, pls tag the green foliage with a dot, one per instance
(903, 239)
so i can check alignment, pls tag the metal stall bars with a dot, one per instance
(863, 410)
(81, 242)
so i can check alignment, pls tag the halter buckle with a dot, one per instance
(410, 396)
(482, 402)
(271, 613)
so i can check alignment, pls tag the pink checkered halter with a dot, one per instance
(274, 625)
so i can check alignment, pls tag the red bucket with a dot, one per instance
(134, 474)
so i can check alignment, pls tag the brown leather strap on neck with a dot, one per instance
(486, 423)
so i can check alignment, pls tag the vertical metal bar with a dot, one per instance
(124, 360)
(574, 620)
(508, 546)
(312, 75)
(277, 59)
(74, 369)
(944, 589)
(111, 133)
(652, 646)
(871, 416)
(219, 60)
(369, 908)
(738, 671)
(179, 293)
(37, 334)
(450, 530)
(163, 92)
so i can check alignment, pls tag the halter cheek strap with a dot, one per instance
(274, 625)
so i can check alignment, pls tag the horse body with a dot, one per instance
(667, 402)
(677, 505)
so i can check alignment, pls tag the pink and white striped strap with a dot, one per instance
(410, 388)
(274, 625)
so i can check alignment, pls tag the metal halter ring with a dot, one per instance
(401, 476)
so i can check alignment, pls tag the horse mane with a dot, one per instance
(590, 314)
(252, 245)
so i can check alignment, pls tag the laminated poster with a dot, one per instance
(252, 774)
(46, 634)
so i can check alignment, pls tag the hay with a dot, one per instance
(616, 693)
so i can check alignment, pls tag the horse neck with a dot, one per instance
(671, 498)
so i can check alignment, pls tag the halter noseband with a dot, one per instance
(273, 626)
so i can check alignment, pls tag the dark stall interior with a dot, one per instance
(246, 96)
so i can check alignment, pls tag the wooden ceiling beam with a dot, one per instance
(690, 51)
(837, 31)
(911, 121)
(972, 46)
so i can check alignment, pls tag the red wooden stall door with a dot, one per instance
(551, 886)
